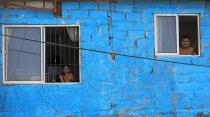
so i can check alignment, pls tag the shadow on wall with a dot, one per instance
(201, 114)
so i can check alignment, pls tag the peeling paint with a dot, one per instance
(135, 44)
(113, 56)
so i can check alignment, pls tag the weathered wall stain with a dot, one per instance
(119, 86)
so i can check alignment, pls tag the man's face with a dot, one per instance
(185, 42)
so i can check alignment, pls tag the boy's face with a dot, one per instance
(185, 42)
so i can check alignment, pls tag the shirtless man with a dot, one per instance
(186, 46)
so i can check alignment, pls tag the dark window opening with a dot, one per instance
(62, 53)
(188, 28)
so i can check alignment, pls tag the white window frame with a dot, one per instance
(177, 34)
(42, 29)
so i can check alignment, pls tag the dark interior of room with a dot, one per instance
(61, 54)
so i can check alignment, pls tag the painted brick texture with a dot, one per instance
(124, 86)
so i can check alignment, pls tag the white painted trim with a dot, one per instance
(42, 56)
(166, 54)
(155, 31)
(199, 36)
(64, 83)
(188, 14)
(189, 56)
(183, 14)
(21, 26)
(3, 55)
(177, 34)
(61, 25)
(22, 82)
(175, 54)
(31, 25)
(80, 60)
(39, 82)
(165, 15)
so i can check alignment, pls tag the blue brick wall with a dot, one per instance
(121, 87)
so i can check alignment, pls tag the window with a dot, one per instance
(177, 34)
(23, 57)
(41, 54)
(58, 56)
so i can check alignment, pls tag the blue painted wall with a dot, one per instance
(121, 87)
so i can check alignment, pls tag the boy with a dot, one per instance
(185, 46)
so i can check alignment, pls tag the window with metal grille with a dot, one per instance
(61, 51)
(41, 54)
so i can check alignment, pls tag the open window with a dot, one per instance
(61, 53)
(41, 54)
(177, 34)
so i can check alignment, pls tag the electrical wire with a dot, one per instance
(111, 53)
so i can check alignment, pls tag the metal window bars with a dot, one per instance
(58, 56)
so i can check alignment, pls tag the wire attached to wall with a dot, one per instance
(111, 53)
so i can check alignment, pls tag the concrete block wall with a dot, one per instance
(122, 86)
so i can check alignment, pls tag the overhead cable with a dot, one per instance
(111, 53)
